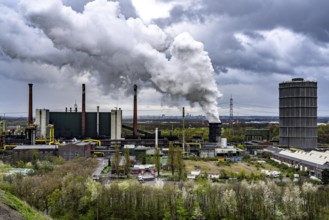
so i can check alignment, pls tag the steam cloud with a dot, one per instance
(116, 51)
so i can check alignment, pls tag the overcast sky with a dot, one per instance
(190, 53)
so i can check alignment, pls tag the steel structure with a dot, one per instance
(298, 113)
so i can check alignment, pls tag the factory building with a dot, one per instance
(314, 162)
(28, 152)
(74, 124)
(298, 113)
(70, 151)
(69, 124)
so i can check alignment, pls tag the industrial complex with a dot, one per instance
(72, 133)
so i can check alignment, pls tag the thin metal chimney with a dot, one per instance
(30, 116)
(135, 112)
(83, 113)
(97, 122)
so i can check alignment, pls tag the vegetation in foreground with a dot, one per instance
(67, 192)
(21, 207)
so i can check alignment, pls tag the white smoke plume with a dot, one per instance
(116, 51)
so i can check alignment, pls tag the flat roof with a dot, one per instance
(36, 147)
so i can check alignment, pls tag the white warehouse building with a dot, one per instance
(314, 161)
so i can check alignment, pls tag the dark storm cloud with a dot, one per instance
(55, 41)
(307, 16)
(251, 18)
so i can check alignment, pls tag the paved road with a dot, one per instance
(102, 163)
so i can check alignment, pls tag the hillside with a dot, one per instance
(12, 208)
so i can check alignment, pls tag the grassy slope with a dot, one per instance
(23, 208)
(210, 167)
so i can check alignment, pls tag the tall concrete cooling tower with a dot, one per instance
(298, 113)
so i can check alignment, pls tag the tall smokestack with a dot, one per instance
(135, 112)
(30, 116)
(97, 122)
(83, 113)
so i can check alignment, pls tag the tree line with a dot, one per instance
(68, 192)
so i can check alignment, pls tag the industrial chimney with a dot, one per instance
(215, 132)
(30, 116)
(135, 112)
(83, 113)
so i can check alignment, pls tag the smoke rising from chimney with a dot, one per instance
(119, 52)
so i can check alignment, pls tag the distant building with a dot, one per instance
(298, 113)
(146, 170)
(257, 134)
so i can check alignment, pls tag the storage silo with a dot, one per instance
(298, 113)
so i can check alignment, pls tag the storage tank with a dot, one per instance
(224, 142)
(298, 113)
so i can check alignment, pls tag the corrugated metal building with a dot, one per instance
(68, 124)
(298, 113)
(314, 161)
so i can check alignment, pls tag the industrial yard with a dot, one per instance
(136, 154)
(171, 110)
